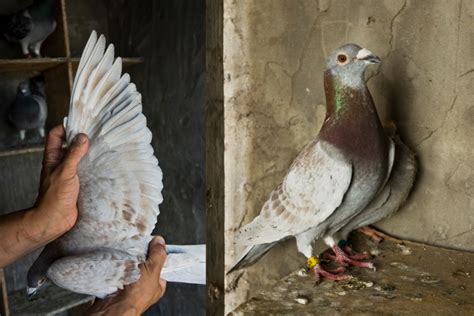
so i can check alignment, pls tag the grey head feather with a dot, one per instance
(349, 62)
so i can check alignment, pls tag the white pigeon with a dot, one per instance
(120, 189)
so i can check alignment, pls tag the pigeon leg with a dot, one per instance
(36, 48)
(343, 259)
(24, 49)
(41, 131)
(374, 234)
(22, 134)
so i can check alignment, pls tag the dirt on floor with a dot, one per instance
(411, 279)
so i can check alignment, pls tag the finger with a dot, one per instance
(77, 150)
(163, 286)
(53, 152)
(157, 253)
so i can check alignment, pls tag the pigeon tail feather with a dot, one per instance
(185, 264)
(251, 255)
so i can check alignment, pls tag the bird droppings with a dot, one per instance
(302, 300)
(460, 273)
(375, 252)
(408, 284)
(404, 249)
(399, 265)
(426, 278)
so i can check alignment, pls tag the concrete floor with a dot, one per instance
(411, 279)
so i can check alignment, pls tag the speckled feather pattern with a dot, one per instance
(313, 188)
(120, 180)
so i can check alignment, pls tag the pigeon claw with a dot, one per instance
(376, 236)
(333, 275)
(343, 259)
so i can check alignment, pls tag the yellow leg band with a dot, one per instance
(312, 262)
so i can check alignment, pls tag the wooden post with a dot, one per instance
(4, 308)
(215, 157)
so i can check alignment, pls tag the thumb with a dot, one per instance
(157, 253)
(77, 150)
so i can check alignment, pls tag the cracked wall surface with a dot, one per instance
(274, 54)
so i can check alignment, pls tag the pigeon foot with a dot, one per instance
(343, 259)
(333, 275)
(351, 253)
(330, 274)
(375, 235)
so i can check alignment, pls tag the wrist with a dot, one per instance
(39, 227)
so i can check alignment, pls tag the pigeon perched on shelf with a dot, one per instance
(29, 110)
(30, 27)
(334, 178)
(120, 189)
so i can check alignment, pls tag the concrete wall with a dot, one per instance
(274, 55)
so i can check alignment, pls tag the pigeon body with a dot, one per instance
(394, 193)
(120, 185)
(31, 26)
(337, 175)
(29, 110)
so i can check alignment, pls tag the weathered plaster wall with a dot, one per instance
(274, 54)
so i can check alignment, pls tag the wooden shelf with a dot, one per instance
(21, 150)
(42, 64)
(30, 64)
(126, 62)
(50, 301)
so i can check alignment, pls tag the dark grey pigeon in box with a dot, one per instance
(30, 27)
(29, 110)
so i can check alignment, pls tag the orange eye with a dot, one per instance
(341, 58)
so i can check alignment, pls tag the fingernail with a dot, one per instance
(80, 139)
(160, 240)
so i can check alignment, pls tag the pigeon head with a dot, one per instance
(23, 88)
(36, 279)
(348, 63)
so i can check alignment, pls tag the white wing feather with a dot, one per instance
(121, 185)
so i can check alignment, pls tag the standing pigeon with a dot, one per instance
(120, 188)
(29, 110)
(335, 177)
(31, 26)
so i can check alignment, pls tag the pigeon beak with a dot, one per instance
(367, 55)
(31, 291)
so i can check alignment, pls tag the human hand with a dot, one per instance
(137, 297)
(56, 205)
